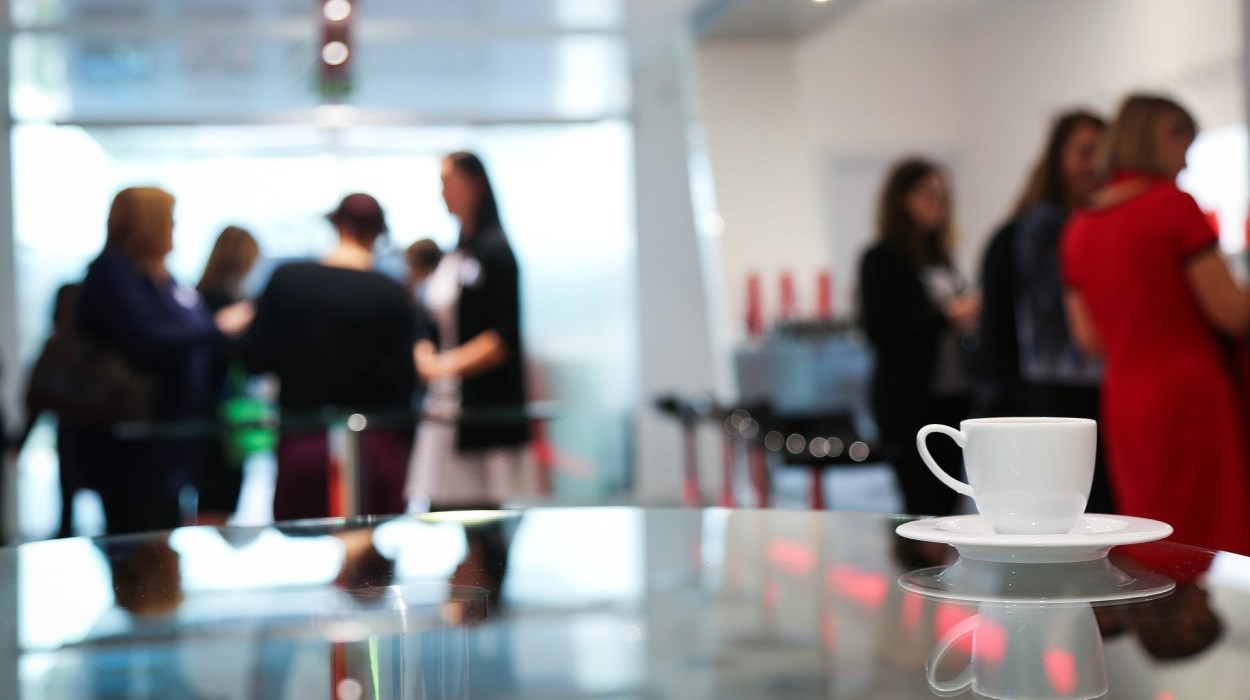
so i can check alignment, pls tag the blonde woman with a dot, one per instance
(129, 302)
(1149, 293)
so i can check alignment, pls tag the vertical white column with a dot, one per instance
(11, 378)
(1245, 62)
(675, 350)
(9, 613)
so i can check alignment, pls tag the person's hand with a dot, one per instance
(234, 319)
(432, 364)
(963, 311)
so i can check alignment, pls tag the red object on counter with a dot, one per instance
(824, 295)
(787, 297)
(755, 310)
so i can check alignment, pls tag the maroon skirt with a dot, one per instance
(302, 488)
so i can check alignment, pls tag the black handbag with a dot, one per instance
(85, 380)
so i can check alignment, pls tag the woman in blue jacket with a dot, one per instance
(130, 303)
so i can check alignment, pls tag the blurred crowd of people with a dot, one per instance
(1104, 295)
(138, 366)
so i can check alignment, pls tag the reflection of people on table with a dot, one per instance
(147, 590)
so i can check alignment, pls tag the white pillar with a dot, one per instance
(9, 686)
(10, 377)
(675, 350)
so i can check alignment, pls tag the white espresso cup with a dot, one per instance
(1028, 476)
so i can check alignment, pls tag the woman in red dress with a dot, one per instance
(1150, 293)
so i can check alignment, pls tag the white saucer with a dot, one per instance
(1094, 581)
(1091, 538)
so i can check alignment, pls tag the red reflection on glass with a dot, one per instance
(1060, 670)
(828, 630)
(864, 587)
(771, 595)
(792, 557)
(911, 611)
(947, 616)
(991, 642)
(1165, 695)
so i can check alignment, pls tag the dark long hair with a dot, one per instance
(894, 222)
(233, 255)
(1045, 183)
(487, 211)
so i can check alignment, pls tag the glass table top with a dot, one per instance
(611, 603)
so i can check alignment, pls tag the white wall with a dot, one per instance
(971, 82)
(1024, 61)
(764, 171)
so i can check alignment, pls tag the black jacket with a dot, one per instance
(904, 327)
(996, 383)
(490, 300)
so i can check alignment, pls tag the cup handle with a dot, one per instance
(929, 462)
(956, 685)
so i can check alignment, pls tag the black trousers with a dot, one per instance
(922, 493)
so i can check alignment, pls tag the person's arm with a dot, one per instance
(1196, 246)
(1081, 325)
(1225, 305)
(115, 303)
(484, 352)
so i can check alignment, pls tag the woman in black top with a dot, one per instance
(471, 448)
(1028, 340)
(234, 254)
(339, 338)
(916, 311)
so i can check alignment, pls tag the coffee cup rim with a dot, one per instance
(1028, 420)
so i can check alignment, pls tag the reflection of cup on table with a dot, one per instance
(1027, 475)
(1035, 651)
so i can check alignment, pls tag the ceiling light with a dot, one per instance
(334, 53)
(337, 10)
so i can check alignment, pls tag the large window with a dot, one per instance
(216, 101)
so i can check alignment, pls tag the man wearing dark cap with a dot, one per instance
(339, 337)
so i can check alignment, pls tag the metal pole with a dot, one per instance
(344, 466)
(729, 460)
(690, 482)
(351, 464)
